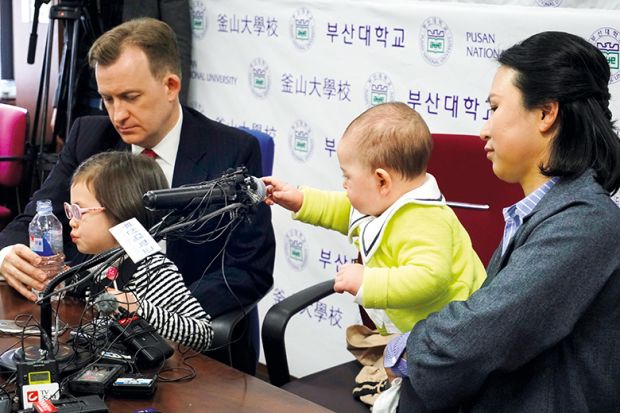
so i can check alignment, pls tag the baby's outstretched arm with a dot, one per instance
(283, 194)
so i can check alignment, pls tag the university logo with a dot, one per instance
(259, 77)
(607, 40)
(300, 140)
(379, 89)
(435, 41)
(302, 28)
(296, 249)
(549, 3)
(199, 18)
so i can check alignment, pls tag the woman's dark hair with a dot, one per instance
(118, 180)
(562, 67)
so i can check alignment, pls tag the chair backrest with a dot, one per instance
(13, 129)
(266, 149)
(227, 326)
(464, 174)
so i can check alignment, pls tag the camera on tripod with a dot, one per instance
(79, 31)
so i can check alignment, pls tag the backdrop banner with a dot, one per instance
(583, 4)
(302, 71)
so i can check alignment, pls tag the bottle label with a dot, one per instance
(41, 246)
(36, 244)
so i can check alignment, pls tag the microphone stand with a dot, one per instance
(10, 358)
(46, 301)
(174, 224)
(156, 231)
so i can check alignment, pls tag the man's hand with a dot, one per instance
(20, 271)
(283, 194)
(349, 278)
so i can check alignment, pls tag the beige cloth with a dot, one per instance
(367, 346)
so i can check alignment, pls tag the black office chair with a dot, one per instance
(236, 332)
(464, 174)
(330, 388)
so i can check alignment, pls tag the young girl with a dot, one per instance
(106, 190)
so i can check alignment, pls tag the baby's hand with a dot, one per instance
(349, 278)
(283, 194)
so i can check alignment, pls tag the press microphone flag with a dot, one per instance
(234, 187)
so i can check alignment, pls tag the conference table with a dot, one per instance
(215, 388)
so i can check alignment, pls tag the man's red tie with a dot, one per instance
(149, 152)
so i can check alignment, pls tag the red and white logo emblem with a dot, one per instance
(32, 396)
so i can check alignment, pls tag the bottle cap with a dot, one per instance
(44, 205)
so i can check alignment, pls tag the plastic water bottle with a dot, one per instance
(46, 239)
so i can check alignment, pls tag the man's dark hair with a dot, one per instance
(155, 38)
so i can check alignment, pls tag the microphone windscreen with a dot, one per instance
(106, 304)
(260, 192)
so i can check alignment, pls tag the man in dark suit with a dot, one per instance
(138, 77)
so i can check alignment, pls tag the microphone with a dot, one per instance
(236, 187)
(106, 304)
(257, 191)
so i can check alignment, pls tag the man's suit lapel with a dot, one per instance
(192, 148)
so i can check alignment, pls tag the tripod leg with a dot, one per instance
(46, 84)
(61, 87)
(39, 127)
(75, 28)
